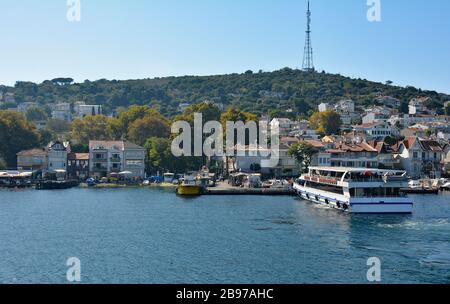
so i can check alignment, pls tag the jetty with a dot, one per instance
(225, 189)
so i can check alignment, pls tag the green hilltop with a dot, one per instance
(285, 92)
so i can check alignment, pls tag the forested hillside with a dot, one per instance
(276, 93)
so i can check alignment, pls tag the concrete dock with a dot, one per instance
(225, 189)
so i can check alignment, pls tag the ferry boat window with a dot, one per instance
(327, 188)
(352, 192)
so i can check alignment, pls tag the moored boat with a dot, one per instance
(189, 187)
(356, 190)
(56, 185)
(418, 187)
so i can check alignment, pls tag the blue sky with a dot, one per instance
(118, 39)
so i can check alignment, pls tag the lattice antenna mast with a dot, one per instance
(308, 64)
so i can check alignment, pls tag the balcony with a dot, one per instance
(100, 169)
(100, 160)
(115, 159)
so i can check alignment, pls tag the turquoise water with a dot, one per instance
(153, 236)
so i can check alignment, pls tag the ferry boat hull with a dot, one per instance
(395, 205)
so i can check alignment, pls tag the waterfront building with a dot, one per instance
(78, 166)
(108, 157)
(360, 155)
(255, 155)
(32, 160)
(421, 157)
(57, 153)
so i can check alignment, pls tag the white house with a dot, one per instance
(417, 106)
(376, 130)
(106, 157)
(323, 107)
(57, 156)
(421, 157)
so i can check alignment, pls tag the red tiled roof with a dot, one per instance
(409, 141)
(431, 145)
(315, 143)
(369, 125)
(33, 152)
(78, 156)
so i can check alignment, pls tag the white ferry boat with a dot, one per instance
(356, 190)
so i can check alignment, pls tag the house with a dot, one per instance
(417, 106)
(345, 106)
(61, 111)
(255, 155)
(9, 98)
(78, 166)
(57, 153)
(388, 101)
(32, 160)
(414, 132)
(346, 109)
(409, 120)
(183, 107)
(376, 114)
(285, 125)
(106, 157)
(376, 130)
(386, 155)
(360, 155)
(421, 157)
(88, 110)
(25, 106)
(323, 107)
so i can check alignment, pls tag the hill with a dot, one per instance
(275, 93)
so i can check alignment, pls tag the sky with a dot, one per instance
(118, 39)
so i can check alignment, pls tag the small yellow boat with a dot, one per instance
(189, 188)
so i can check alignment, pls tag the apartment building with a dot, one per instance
(108, 157)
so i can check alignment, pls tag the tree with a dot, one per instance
(3, 165)
(326, 123)
(391, 140)
(303, 153)
(234, 114)
(149, 126)
(36, 114)
(447, 109)
(126, 118)
(58, 126)
(91, 128)
(209, 111)
(160, 158)
(16, 134)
